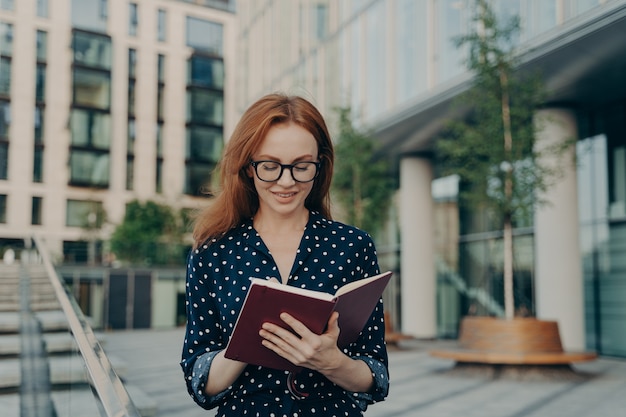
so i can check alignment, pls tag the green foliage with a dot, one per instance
(363, 186)
(150, 233)
(501, 102)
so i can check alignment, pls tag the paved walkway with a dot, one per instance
(421, 385)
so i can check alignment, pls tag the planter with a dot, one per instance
(520, 341)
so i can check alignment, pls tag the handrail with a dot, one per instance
(110, 390)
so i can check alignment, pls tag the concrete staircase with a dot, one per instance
(42, 372)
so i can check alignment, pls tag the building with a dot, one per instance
(393, 63)
(104, 102)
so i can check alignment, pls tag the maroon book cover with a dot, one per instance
(266, 300)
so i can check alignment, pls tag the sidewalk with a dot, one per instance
(421, 386)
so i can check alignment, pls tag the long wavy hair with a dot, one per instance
(237, 199)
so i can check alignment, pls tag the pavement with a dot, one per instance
(421, 385)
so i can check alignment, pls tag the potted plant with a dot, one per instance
(493, 150)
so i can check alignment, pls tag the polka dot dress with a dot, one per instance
(330, 255)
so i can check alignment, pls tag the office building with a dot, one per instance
(103, 102)
(394, 64)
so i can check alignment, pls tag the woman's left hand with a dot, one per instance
(309, 350)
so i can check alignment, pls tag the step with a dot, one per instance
(9, 321)
(10, 405)
(56, 343)
(64, 370)
(81, 402)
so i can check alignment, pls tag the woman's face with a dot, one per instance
(285, 143)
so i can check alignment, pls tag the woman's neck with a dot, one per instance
(264, 223)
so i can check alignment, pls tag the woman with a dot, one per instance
(271, 219)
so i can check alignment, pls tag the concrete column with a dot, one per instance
(558, 279)
(418, 276)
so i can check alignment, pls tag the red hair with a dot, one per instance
(237, 198)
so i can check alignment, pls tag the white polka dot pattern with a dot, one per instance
(330, 255)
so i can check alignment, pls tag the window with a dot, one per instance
(92, 50)
(130, 154)
(90, 119)
(160, 86)
(4, 160)
(321, 21)
(89, 168)
(39, 147)
(42, 8)
(90, 129)
(5, 76)
(92, 88)
(204, 106)
(161, 68)
(89, 152)
(40, 76)
(133, 19)
(6, 39)
(7, 4)
(159, 161)
(130, 171)
(3, 208)
(40, 96)
(40, 82)
(6, 51)
(204, 144)
(205, 118)
(84, 213)
(161, 25)
(5, 122)
(38, 164)
(132, 63)
(203, 71)
(36, 210)
(5, 119)
(39, 123)
(203, 35)
(90, 14)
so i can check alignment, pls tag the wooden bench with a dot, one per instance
(521, 341)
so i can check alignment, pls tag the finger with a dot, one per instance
(297, 326)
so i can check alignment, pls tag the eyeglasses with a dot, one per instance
(270, 171)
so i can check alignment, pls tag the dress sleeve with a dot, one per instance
(370, 347)
(203, 337)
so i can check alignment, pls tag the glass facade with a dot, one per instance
(205, 36)
(90, 15)
(133, 19)
(602, 215)
(40, 104)
(160, 122)
(90, 120)
(205, 119)
(6, 53)
(42, 8)
(130, 145)
(36, 210)
(3, 208)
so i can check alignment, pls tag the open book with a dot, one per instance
(266, 300)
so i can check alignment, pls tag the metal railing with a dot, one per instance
(107, 387)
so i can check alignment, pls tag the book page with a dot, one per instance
(356, 284)
(296, 290)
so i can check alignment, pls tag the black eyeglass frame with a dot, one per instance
(255, 164)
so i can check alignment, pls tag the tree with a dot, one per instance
(362, 185)
(150, 233)
(493, 148)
